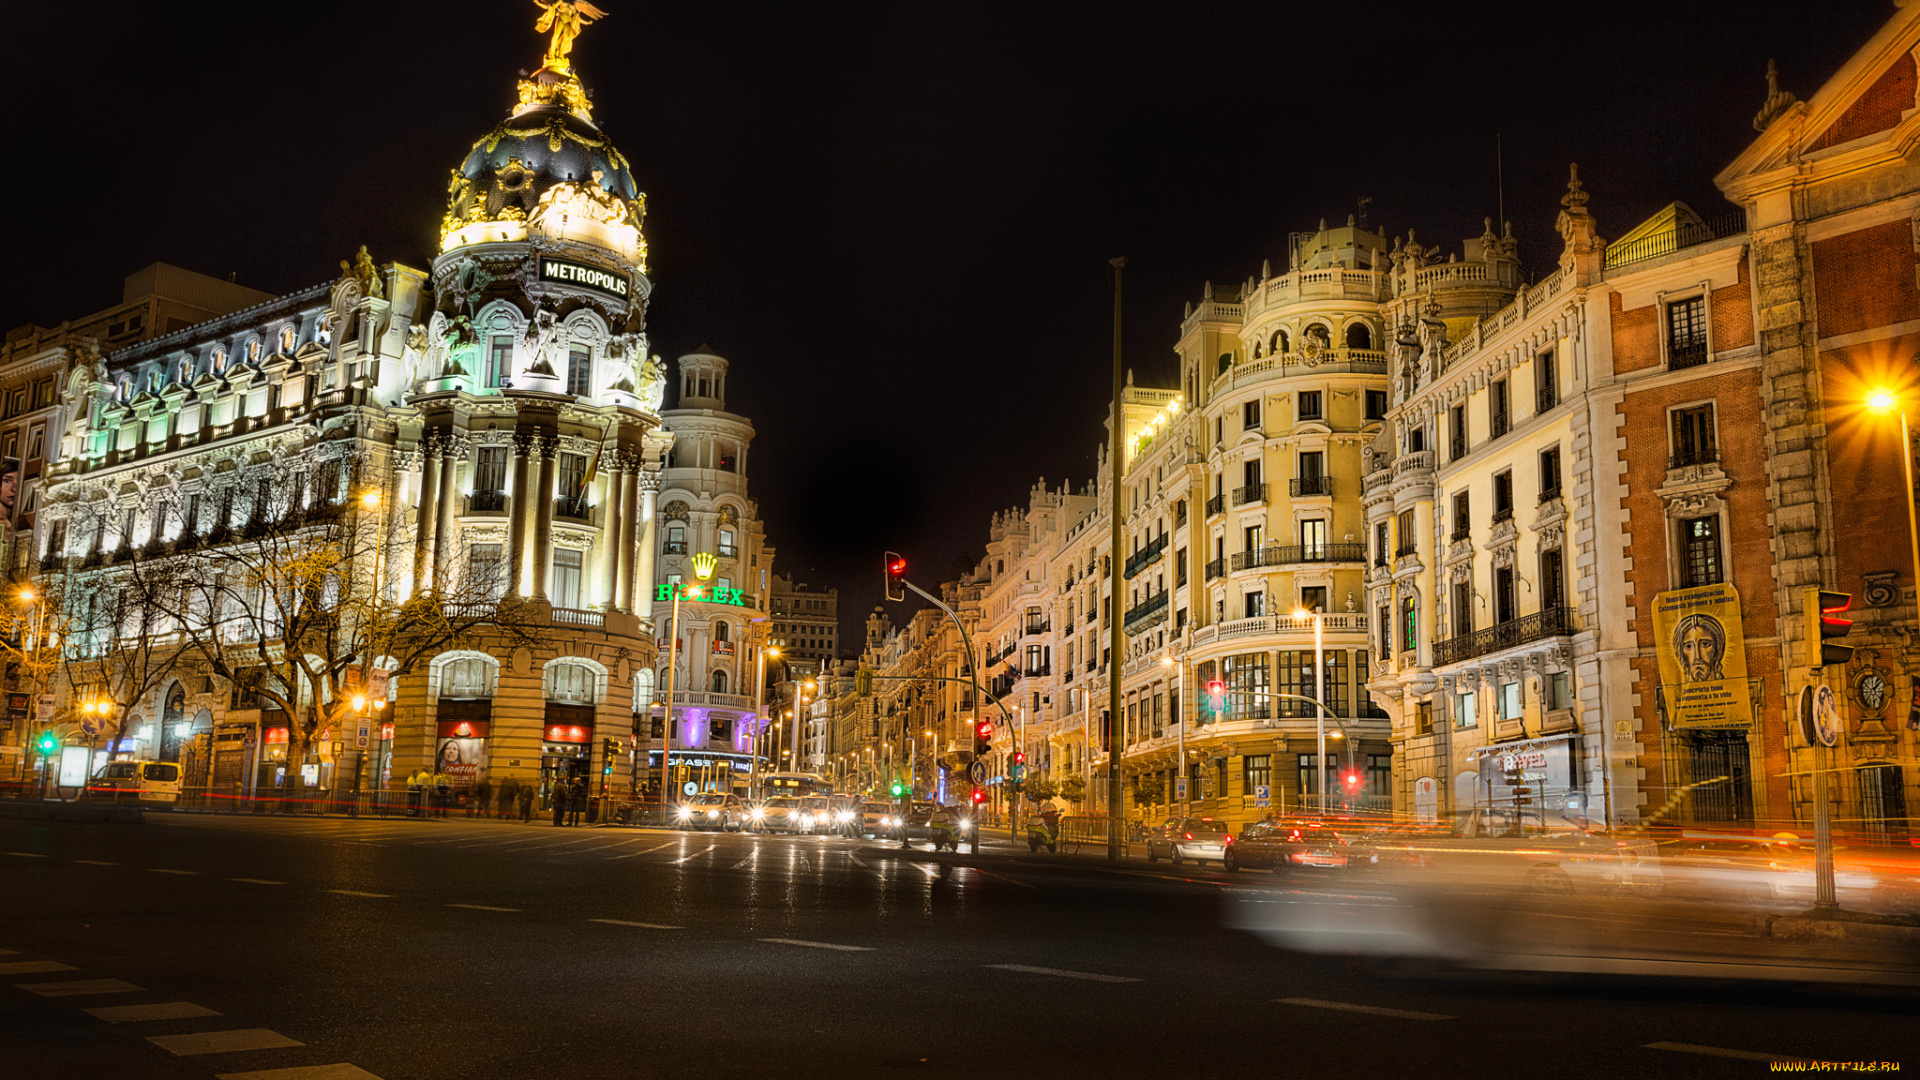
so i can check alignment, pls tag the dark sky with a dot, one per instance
(894, 219)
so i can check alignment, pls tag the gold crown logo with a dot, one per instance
(703, 564)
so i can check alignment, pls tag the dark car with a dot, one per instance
(1287, 845)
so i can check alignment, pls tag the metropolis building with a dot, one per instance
(499, 416)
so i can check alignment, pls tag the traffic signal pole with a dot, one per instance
(1116, 471)
(973, 671)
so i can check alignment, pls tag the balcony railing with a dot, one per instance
(1216, 568)
(674, 547)
(1216, 504)
(1310, 485)
(1552, 622)
(1547, 495)
(1686, 354)
(1038, 626)
(1288, 554)
(1545, 398)
(573, 508)
(487, 502)
(727, 551)
(1145, 557)
(578, 617)
(1249, 493)
(1456, 448)
(1150, 611)
(1502, 513)
(1702, 456)
(1497, 424)
(1684, 234)
(1405, 550)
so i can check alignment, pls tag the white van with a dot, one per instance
(136, 781)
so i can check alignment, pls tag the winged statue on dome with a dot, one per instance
(564, 18)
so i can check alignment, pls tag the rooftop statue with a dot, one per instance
(565, 19)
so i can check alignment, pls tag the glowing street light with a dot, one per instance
(1885, 401)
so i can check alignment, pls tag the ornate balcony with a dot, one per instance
(1552, 622)
(1303, 486)
(1145, 557)
(1290, 554)
(1249, 493)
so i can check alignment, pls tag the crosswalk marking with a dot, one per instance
(24, 854)
(341, 1071)
(483, 907)
(357, 892)
(34, 967)
(255, 881)
(695, 855)
(1062, 973)
(648, 851)
(815, 944)
(95, 862)
(222, 1042)
(163, 870)
(1370, 1010)
(1718, 1051)
(168, 1010)
(76, 987)
(641, 925)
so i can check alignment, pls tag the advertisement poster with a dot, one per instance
(463, 760)
(1703, 657)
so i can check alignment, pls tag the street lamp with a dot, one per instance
(703, 564)
(1884, 401)
(1180, 729)
(759, 701)
(1319, 710)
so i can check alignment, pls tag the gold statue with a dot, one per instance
(564, 18)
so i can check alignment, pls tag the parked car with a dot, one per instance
(713, 810)
(1196, 838)
(1282, 846)
(136, 781)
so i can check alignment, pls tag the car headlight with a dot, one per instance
(844, 816)
(685, 813)
(964, 823)
(713, 814)
(758, 813)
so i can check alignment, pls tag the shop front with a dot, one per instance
(1539, 771)
(566, 755)
(695, 771)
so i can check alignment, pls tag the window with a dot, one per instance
(1403, 529)
(468, 677)
(573, 475)
(1549, 474)
(1385, 615)
(676, 540)
(1379, 776)
(727, 550)
(1359, 336)
(1464, 715)
(36, 443)
(1250, 415)
(1247, 688)
(1687, 332)
(1700, 552)
(1376, 404)
(1313, 597)
(642, 690)
(499, 360)
(1367, 706)
(1313, 540)
(1504, 601)
(1254, 605)
(1693, 437)
(490, 470)
(719, 682)
(579, 366)
(1310, 773)
(1417, 441)
(566, 578)
(1462, 516)
(486, 571)
(1546, 384)
(1423, 718)
(573, 684)
(1462, 609)
(1553, 580)
(1179, 577)
(1309, 405)
(1250, 477)
(1498, 408)
(1559, 692)
(1503, 495)
(1256, 771)
(1381, 544)
(1457, 444)
(723, 458)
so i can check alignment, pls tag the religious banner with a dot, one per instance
(1703, 657)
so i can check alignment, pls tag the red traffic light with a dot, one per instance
(985, 730)
(1353, 779)
(896, 576)
(1019, 758)
(979, 796)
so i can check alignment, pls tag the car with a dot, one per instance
(136, 781)
(1761, 869)
(875, 819)
(1196, 838)
(1283, 846)
(816, 814)
(1526, 847)
(782, 813)
(713, 810)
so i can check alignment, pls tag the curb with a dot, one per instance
(1806, 928)
(53, 811)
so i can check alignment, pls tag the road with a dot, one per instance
(200, 946)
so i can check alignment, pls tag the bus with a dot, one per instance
(794, 783)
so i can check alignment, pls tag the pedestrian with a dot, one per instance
(442, 793)
(509, 795)
(482, 798)
(577, 800)
(559, 803)
(526, 803)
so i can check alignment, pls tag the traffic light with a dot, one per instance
(47, 744)
(898, 788)
(863, 682)
(1353, 782)
(1216, 703)
(896, 570)
(979, 796)
(612, 752)
(982, 738)
(1019, 770)
(1824, 621)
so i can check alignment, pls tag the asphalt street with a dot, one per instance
(198, 946)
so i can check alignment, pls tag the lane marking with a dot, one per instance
(94, 862)
(78, 986)
(648, 851)
(357, 892)
(1063, 973)
(34, 967)
(695, 855)
(1002, 877)
(1717, 1051)
(483, 907)
(170, 1010)
(182, 873)
(9, 952)
(815, 944)
(24, 854)
(255, 881)
(641, 925)
(504, 843)
(222, 1042)
(340, 1071)
(1370, 1010)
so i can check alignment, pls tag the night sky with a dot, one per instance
(894, 219)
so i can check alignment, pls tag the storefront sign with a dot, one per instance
(464, 729)
(1703, 657)
(1543, 766)
(568, 733)
(584, 276)
(663, 593)
(463, 760)
(73, 766)
(276, 735)
(723, 648)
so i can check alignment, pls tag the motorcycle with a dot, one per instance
(1042, 832)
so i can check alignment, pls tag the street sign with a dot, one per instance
(45, 706)
(690, 788)
(1262, 796)
(977, 772)
(363, 736)
(1180, 788)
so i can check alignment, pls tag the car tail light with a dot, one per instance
(1189, 836)
(1227, 839)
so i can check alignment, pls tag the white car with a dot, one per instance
(712, 810)
(1196, 838)
(875, 819)
(782, 813)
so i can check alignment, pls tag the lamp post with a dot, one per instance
(1887, 402)
(703, 564)
(1319, 710)
(1180, 728)
(759, 700)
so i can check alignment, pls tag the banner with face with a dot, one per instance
(1703, 657)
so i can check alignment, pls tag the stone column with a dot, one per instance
(613, 529)
(452, 450)
(630, 534)
(426, 515)
(542, 492)
(517, 522)
(641, 580)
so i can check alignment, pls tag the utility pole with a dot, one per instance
(1116, 472)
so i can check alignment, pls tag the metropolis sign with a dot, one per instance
(586, 277)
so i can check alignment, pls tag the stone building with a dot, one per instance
(807, 623)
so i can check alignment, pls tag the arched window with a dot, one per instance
(287, 337)
(1359, 336)
(219, 360)
(126, 388)
(468, 677)
(719, 682)
(642, 691)
(1320, 333)
(573, 684)
(1226, 361)
(1259, 350)
(720, 631)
